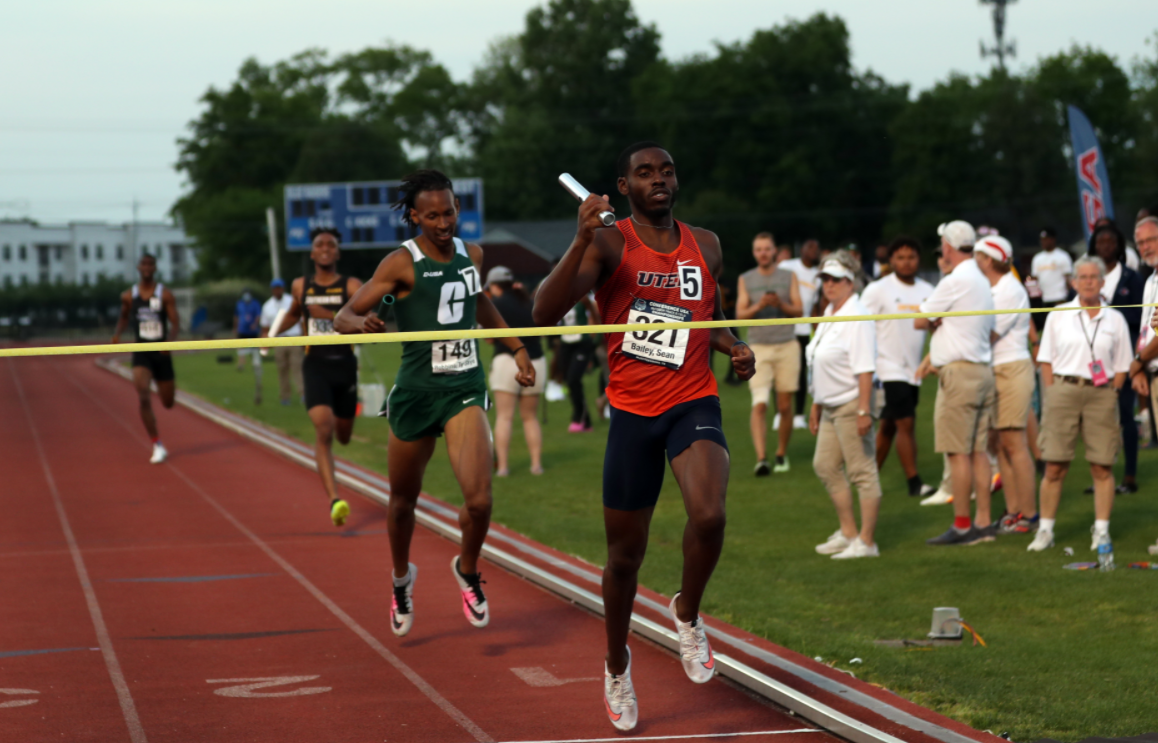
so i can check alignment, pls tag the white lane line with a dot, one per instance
(674, 737)
(431, 693)
(124, 695)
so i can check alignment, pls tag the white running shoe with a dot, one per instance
(836, 543)
(799, 423)
(1098, 538)
(402, 605)
(695, 652)
(940, 498)
(1042, 541)
(160, 454)
(858, 549)
(474, 603)
(555, 391)
(619, 697)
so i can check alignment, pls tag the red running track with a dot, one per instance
(210, 599)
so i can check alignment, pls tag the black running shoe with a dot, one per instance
(954, 537)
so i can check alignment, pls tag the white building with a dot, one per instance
(83, 252)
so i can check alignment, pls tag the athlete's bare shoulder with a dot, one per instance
(476, 254)
(709, 243)
(127, 296)
(353, 284)
(609, 243)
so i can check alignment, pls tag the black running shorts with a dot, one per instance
(333, 383)
(159, 364)
(633, 467)
(901, 400)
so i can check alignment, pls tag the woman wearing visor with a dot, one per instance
(841, 362)
(1084, 356)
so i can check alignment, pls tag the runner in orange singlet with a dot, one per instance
(652, 269)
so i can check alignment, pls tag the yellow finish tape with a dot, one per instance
(443, 335)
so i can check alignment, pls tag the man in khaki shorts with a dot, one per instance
(1013, 373)
(961, 355)
(1085, 358)
(1145, 366)
(768, 292)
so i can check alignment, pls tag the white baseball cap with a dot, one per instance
(836, 270)
(996, 247)
(958, 233)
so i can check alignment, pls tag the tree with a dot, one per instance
(779, 132)
(556, 98)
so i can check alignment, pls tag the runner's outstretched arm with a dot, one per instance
(123, 320)
(582, 268)
(489, 317)
(394, 275)
(170, 303)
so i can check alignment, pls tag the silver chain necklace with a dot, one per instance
(653, 226)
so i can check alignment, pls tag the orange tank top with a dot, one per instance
(653, 371)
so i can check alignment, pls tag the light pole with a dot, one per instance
(1000, 49)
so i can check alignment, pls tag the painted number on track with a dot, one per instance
(18, 702)
(248, 688)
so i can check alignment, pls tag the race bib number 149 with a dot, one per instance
(663, 346)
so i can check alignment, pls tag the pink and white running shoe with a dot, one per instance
(474, 602)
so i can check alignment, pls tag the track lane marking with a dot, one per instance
(675, 737)
(431, 693)
(124, 695)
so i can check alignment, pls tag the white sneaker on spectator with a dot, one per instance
(940, 498)
(555, 391)
(836, 543)
(1042, 541)
(799, 422)
(857, 548)
(776, 423)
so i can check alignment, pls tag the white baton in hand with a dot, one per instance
(576, 189)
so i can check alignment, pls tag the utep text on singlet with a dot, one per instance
(150, 322)
(331, 297)
(444, 297)
(653, 371)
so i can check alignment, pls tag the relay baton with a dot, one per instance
(576, 189)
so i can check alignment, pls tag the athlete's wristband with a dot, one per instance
(520, 348)
(739, 343)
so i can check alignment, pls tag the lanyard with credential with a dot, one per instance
(1090, 340)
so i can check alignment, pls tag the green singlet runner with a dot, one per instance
(443, 298)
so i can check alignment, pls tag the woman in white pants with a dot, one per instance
(841, 363)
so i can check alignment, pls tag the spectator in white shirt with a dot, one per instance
(899, 350)
(1014, 376)
(1143, 369)
(961, 354)
(1051, 268)
(806, 268)
(287, 358)
(841, 360)
(1084, 357)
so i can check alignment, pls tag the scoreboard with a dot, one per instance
(362, 213)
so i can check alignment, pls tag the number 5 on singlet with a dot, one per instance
(663, 346)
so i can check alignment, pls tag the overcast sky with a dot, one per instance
(96, 92)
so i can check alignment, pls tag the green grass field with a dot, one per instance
(1070, 655)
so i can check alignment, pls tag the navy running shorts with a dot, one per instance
(633, 467)
(159, 364)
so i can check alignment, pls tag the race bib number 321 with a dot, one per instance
(663, 346)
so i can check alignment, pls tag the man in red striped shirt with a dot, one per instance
(651, 269)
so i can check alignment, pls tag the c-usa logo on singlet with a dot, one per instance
(640, 306)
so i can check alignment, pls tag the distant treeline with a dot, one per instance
(779, 132)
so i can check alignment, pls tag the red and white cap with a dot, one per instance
(996, 247)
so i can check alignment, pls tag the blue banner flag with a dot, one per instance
(1093, 178)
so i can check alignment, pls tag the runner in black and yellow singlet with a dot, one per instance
(329, 373)
(440, 389)
(151, 310)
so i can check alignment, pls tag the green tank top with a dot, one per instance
(444, 297)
